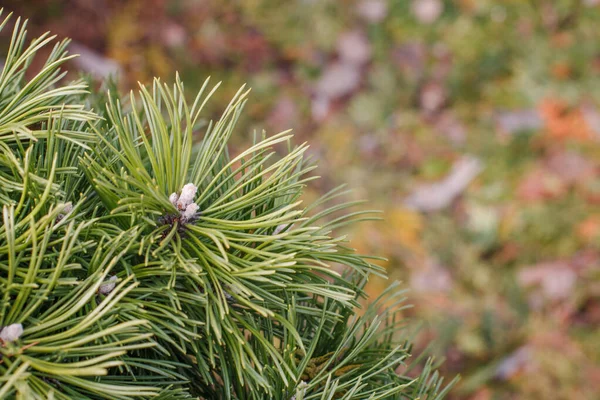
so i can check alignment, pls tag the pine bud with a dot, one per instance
(187, 196)
(68, 207)
(300, 391)
(173, 198)
(108, 286)
(190, 212)
(11, 333)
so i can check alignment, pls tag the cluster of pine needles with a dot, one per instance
(111, 289)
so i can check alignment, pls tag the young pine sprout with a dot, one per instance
(187, 209)
(11, 333)
(108, 286)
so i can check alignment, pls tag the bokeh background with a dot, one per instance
(473, 124)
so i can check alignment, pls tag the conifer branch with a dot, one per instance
(138, 259)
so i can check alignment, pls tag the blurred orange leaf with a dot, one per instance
(589, 229)
(564, 122)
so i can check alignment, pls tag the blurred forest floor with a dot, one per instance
(474, 125)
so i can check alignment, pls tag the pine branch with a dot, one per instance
(139, 259)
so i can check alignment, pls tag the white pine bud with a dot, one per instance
(11, 333)
(108, 286)
(68, 208)
(190, 212)
(187, 196)
(300, 391)
(173, 198)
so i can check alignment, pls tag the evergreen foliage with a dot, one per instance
(141, 263)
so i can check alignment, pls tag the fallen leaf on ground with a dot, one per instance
(427, 11)
(541, 184)
(481, 394)
(556, 279)
(592, 118)
(449, 126)
(515, 364)
(439, 195)
(511, 122)
(94, 63)
(339, 79)
(562, 71)
(354, 47)
(173, 35)
(589, 229)
(319, 108)
(564, 122)
(431, 277)
(284, 114)
(372, 10)
(572, 167)
(410, 59)
(432, 97)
